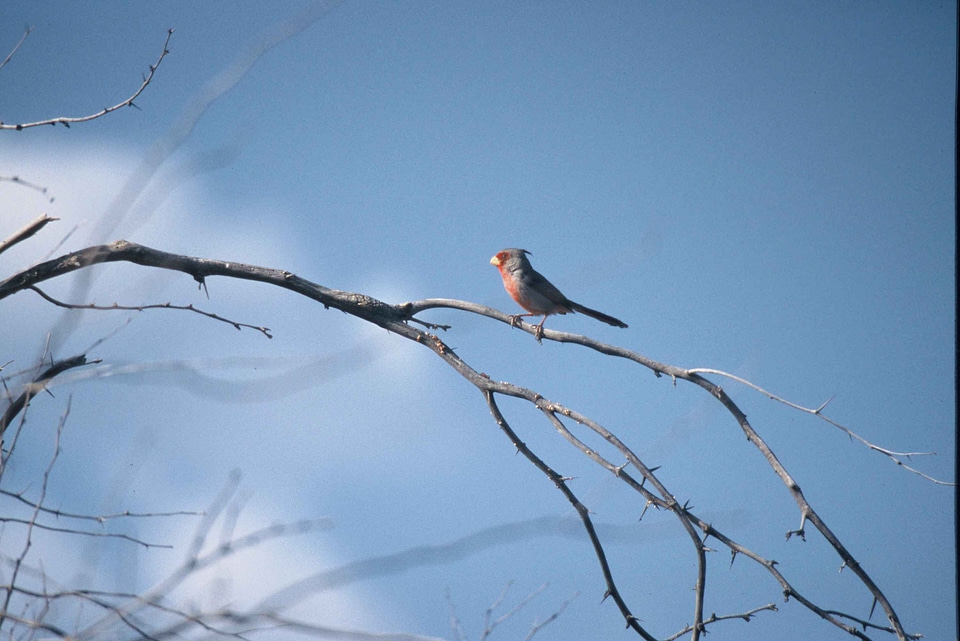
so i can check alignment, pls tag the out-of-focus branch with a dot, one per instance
(490, 623)
(146, 171)
(28, 539)
(132, 607)
(23, 38)
(17, 180)
(67, 121)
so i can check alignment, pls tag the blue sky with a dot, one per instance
(762, 188)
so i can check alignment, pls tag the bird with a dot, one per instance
(535, 293)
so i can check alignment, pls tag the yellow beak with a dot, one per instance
(495, 261)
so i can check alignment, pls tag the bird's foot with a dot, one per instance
(515, 320)
(538, 333)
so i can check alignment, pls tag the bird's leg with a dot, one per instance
(538, 330)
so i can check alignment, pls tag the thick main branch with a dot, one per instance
(394, 318)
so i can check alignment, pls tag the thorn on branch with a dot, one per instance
(825, 403)
(645, 508)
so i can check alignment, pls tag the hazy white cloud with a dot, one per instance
(178, 214)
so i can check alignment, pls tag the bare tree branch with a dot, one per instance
(28, 540)
(26, 32)
(132, 607)
(536, 627)
(17, 180)
(66, 121)
(26, 232)
(490, 624)
(395, 318)
(818, 412)
(36, 525)
(139, 308)
(99, 518)
(713, 618)
(582, 511)
(37, 385)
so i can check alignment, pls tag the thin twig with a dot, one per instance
(818, 412)
(713, 618)
(196, 561)
(28, 539)
(454, 619)
(489, 626)
(34, 524)
(536, 627)
(26, 32)
(99, 518)
(139, 308)
(17, 180)
(67, 121)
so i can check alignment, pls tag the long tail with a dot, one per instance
(600, 316)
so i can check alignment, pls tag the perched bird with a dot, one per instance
(535, 293)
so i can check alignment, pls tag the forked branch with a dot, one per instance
(396, 319)
(894, 456)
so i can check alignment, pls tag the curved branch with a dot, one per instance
(65, 121)
(806, 510)
(582, 512)
(359, 305)
(139, 308)
(394, 318)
